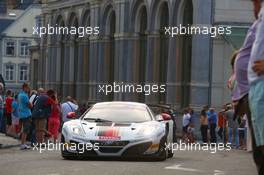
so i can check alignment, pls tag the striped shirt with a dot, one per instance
(241, 64)
(257, 53)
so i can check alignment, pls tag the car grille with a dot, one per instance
(111, 143)
(109, 146)
(109, 149)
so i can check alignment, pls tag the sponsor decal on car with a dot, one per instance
(108, 133)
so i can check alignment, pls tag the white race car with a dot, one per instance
(118, 129)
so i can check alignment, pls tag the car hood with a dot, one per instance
(117, 131)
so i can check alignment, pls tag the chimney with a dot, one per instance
(3, 7)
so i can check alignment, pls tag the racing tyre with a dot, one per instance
(163, 153)
(64, 153)
(170, 153)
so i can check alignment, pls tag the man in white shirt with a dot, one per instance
(186, 120)
(69, 106)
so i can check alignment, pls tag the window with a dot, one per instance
(23, 73)
(9, 72)
(24, 51)
(10, 48)
(37, 25)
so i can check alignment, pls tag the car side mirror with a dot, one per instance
(71, 115)
(159, 118)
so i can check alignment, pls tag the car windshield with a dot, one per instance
(118, 113)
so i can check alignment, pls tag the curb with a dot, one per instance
(8, 146)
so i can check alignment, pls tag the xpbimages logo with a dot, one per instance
(64, 30)
(212, 147)
(73, 147)
(212, 31)
(146, 89)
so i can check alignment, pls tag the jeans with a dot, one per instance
(213, 133)
(233, 136)
(33, 138)
(204, 129)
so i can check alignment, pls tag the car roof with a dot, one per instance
(136, 104)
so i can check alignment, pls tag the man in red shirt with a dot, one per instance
(8, 111)
(221, 122)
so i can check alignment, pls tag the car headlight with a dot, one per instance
(148, 131)
(77, 130)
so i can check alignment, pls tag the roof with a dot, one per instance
(25, 4)
(120, 103)
(5, 23)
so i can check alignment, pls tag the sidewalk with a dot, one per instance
(8, 142)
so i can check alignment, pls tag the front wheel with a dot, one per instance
(163, 153)
(64, 153)
(170, 153)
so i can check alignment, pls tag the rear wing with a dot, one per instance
(159, 106)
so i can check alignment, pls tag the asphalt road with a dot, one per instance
(28, 162)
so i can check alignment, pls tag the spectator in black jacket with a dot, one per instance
(41, 112)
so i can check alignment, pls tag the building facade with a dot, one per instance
(132, 48)
(15, 39)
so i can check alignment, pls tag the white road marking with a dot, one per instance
(179, 167)
(218, 172)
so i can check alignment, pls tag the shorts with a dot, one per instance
(256, 102)
(15, 120)
(40, 124)
(8, 119)
(26, 124)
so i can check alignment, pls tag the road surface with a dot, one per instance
(28, 162)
